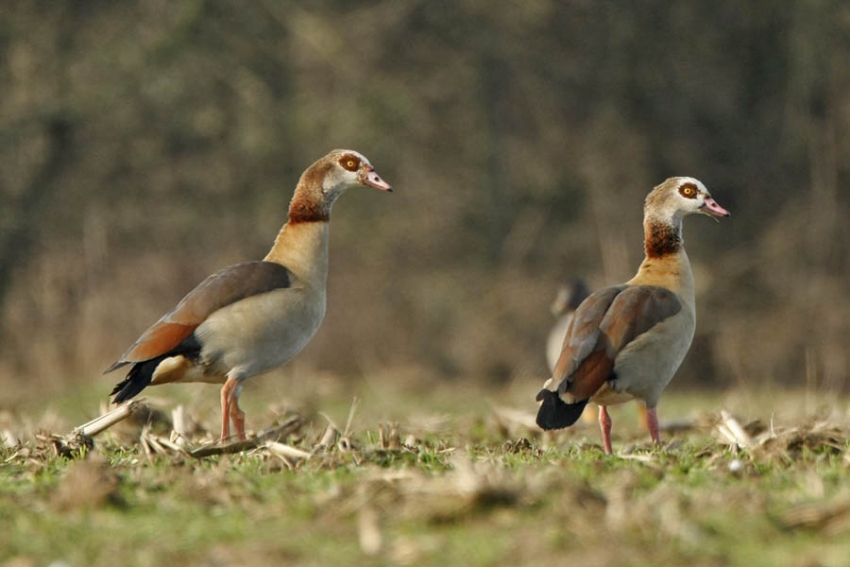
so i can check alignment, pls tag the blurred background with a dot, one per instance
(145, 144)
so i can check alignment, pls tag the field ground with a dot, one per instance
(445, 477)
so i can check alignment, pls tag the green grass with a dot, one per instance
(471, 491)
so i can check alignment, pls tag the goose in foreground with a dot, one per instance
(250, 318)
(625, 342)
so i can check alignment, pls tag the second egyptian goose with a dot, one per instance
(625, 342)
(249, 318)
(567, 299)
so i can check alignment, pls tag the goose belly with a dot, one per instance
(645, 367)
(262, 332)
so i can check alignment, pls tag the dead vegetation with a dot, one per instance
(398, 494)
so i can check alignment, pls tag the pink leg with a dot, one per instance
(605, 426)
(652, 424)
(225, 411)
(237, 416)
(230, 410)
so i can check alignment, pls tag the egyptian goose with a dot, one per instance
(249, 318)
(625, 342)
(567, 299)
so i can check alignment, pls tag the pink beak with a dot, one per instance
(710, 207)
(370, 178)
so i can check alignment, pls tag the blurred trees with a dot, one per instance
(145, 144)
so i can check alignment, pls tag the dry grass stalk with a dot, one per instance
(152, 444)
(287, 452)
(107, 420)
(787, 444)
(732, 432)
(70, 445)
(388, 436)
(329, 438)
(784, 444)
(345, 441)
(183, 426)
(292, 424)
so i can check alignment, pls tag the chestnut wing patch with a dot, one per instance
(583, 332)
(602, 327)
(218, 290)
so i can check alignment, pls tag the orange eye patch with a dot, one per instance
(351, 163)
(688, 190)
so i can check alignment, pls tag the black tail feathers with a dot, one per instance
(141, 373)
(554, 413)
(137, 379)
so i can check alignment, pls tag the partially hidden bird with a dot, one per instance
(626, 342)
(250, 318)
(568, 297)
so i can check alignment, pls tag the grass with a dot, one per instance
(464, 488)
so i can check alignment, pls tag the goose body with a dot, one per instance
(250, 318)
(626, 342)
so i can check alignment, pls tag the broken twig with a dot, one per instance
(107, 420)
(273, 433)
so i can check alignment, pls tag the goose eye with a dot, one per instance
(350, 163)
(688, 191)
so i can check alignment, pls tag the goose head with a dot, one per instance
(681, 196)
